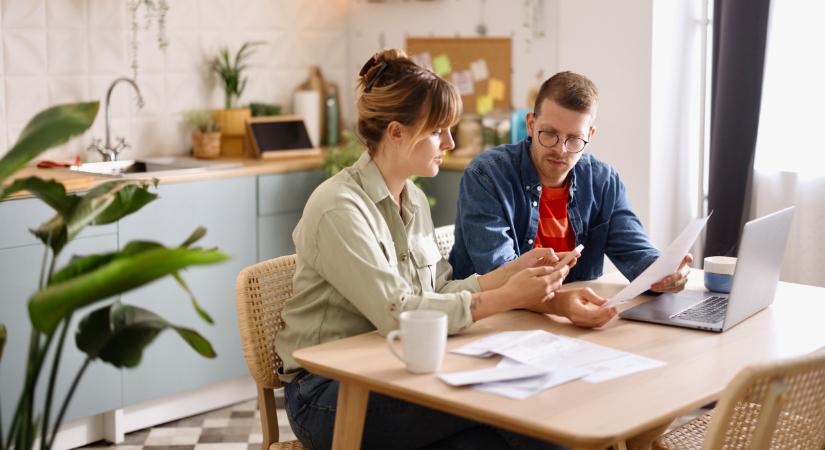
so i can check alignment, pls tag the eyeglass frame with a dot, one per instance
(558, 139)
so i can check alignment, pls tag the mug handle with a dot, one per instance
(391, 337)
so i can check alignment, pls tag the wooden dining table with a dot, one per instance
(579, 414)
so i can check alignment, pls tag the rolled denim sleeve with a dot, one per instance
(628, 245)
(485, 230)
(371, 282)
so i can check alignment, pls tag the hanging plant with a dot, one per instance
(154, 12)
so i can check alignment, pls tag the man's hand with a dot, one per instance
(582, 306)
(534, 258)
(676, 281)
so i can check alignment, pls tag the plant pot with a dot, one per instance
(206, 145)
(233, 127)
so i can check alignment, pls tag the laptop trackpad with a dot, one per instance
(664, 306)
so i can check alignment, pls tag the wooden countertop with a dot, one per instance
(78, 181)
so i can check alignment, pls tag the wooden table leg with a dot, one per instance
(350, 415)
(644, 441)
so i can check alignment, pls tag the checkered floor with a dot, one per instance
(236, 427)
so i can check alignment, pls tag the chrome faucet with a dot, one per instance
(106, 149)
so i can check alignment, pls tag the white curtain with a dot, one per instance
(790, 151)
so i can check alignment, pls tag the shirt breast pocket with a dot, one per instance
(597, 236)
(425, 256)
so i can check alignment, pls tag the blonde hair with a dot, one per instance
(571, 91)
(392, 87)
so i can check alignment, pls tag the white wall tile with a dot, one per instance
(108, 52)
(66, 14)
(24, 52)
(182, 15)
(151, 58)
(108, 14)
(186, 92)
(25, 97)
(258, 87)
(184, 54)
(216, 14)
(68, 52)
(322, 48)
(29, 14)
(250, 16)
(68, 89)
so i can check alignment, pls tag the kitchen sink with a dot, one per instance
(148, 166)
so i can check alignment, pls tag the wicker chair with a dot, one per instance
(779, 405)
(261, 292)
(445, 238)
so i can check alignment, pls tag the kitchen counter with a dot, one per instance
(80, 181)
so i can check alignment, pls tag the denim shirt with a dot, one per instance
(498, 215)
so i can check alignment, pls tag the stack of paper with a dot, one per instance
(537, 360)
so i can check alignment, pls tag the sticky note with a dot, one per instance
(424, 60)
(441, 64)
(484, 103)
(479, 69)
(495, 89)
(463, 81)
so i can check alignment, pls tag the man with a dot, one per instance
(546, 192)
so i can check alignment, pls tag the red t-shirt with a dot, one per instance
(554, 229)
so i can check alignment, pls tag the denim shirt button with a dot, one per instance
(530, 241)
(538, 188)
(535, 203)
(527, 187)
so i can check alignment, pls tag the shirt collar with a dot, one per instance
(371, 179)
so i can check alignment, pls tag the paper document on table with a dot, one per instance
(563, 359)
(491, 374)
(665, 264)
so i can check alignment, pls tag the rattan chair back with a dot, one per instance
(445, 238)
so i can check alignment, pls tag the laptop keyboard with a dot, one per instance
(710, 310)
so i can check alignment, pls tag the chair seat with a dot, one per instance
(690, 435)
(288, 445)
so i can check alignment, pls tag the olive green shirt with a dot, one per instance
(361, 260)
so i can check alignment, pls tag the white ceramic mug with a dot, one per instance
(423, 337)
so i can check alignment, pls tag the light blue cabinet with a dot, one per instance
(281, 200)
(249, 218)
(20, 261)
(227, 209)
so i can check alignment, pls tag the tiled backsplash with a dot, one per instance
(57, 51)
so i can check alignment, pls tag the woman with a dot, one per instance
(366, 252)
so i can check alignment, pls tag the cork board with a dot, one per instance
(480, 68)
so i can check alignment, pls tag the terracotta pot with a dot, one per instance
(233, 127)
(206, 145)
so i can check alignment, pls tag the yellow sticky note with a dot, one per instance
(484, 103)
(441, 64)
(495, 89)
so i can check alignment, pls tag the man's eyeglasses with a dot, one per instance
(572, 144)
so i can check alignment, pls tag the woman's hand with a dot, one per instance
(533, 286)
(581, 306)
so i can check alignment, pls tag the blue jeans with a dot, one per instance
(390, 423)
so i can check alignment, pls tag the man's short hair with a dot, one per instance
(570, 90)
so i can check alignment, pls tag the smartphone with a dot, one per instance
(569, 257)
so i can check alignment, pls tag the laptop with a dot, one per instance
(761, 248)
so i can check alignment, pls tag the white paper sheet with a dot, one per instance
(492, 374)
(664, 265)
(565, 359)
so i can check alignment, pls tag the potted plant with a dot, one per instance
(231, 119)
(115, 332)
(206, 134)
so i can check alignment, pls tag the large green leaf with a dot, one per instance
(80, 265)
(119, 333)
(50, 191)
(49, 128)
(105, 203)
(48, 306)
